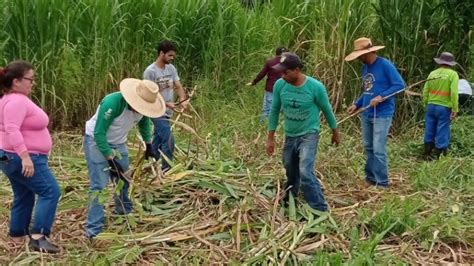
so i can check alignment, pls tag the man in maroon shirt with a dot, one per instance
(272, 76)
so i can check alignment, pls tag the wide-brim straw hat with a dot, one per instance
(445, 58)
(362, 46)
(143, 96)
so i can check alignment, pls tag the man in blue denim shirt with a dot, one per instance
(380, 80)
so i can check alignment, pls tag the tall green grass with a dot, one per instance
(82, 49)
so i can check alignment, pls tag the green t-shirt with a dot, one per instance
(301, 106)
(443, 89)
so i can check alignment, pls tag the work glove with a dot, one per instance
(149, 152)
(116, 171)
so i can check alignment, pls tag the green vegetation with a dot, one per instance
(82, 49)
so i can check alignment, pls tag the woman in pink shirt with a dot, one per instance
(25, 143)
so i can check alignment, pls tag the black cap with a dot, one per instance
(280, 50)
(288, 61)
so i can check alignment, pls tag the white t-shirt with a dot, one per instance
(118, 130)
(464, 87)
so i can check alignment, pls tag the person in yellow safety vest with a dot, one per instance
(440, 98)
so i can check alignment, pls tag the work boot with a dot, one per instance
(43, 245)
(444, 151)
(436, 153)
(284, 201)
(428, 149)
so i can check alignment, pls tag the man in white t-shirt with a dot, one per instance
(164, 74)
(464, 91)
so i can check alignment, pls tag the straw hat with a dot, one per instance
(143, 96)
(362, 46)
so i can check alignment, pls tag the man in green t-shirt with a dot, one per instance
(300, 98)
(440, 98)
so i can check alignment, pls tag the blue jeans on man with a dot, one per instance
(42, 183)
(299, 155)
(99, 176)
(267, 105)
(163, 140)
(437, 126)
(375, 133)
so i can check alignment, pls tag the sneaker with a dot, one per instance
(43, 245)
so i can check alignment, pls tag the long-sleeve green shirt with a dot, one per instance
(112, 122)
(301, 106)
(443, 89)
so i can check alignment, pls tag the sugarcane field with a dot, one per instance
(237, 132)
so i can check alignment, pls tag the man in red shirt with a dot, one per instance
(272, 76)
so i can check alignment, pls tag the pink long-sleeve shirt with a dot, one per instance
(23, 125)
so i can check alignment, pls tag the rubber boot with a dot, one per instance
(428, 149)
(444, 151)
(436, 153)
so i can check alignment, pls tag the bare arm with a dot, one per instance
(271, 142)
(181, 94)
(180, 90)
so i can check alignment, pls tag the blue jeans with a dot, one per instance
(299, 155)
(437, 125)
(42, 183)
(375, 133)
(163, 140)
(99, 175)
(267, 104)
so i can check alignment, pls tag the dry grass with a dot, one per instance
(218, 212)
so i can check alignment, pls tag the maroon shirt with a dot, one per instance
(272, 74)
